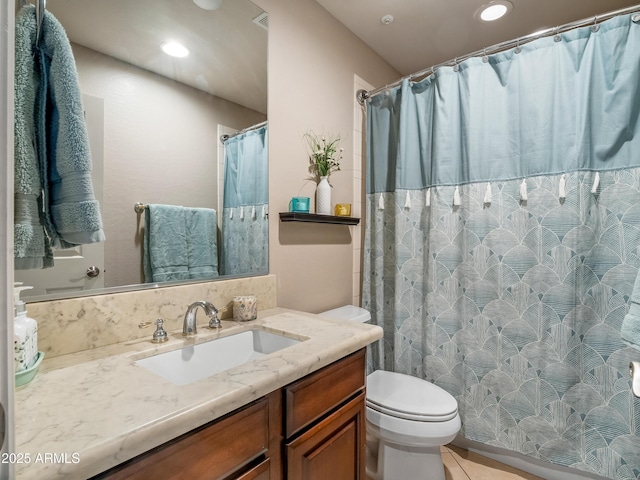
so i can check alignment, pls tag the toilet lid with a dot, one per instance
(409, 397)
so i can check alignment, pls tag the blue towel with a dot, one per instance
(72, 214)
(165, 244)
(54, 200)
(180, 243)
(31, 246)
(202, 231)
(630, 330)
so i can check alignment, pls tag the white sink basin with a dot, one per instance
(195, 362)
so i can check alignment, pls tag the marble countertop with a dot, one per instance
(89, 411)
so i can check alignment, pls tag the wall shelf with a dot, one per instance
(315, 218)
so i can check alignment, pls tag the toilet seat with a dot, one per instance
(410, 398)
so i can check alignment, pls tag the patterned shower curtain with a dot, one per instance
(503, 241)
(245, 222)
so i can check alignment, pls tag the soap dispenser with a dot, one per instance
(25, 334)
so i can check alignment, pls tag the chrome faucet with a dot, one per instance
(189, 325)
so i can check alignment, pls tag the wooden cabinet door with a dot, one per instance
(332, 449)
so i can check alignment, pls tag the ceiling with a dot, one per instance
(228, 51)
(429, 32)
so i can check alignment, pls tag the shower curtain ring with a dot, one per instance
(433, 73)
(517, 49)
(556, 36)
(485, 59)
(456, 67)
(595, 26)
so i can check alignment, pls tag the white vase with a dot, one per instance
(323, 197)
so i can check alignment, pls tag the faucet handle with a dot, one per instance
(160, 335)
(214, 321)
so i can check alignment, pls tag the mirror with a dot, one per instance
(154, 121)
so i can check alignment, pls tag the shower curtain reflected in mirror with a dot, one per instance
(245, 220)
(512, 297)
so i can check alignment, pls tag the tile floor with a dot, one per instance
(460, 464)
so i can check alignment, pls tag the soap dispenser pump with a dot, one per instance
(25, 334)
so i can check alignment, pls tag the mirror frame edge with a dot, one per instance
(7, 379)
(139, 287)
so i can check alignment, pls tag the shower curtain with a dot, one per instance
(502, 242)
(245, 222)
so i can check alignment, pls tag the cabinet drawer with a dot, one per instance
(259, 472)
(213, 451)
(317, 394)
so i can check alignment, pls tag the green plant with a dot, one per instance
(325, 154)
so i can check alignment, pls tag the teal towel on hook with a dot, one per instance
(72, 213)
(54, 200)
(32, 248)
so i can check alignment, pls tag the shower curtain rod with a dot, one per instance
(362, 95)
(224, 138)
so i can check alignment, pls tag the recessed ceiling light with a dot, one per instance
(175, 49)
(494, 10)
(208, 4)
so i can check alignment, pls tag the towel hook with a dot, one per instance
(41, 6)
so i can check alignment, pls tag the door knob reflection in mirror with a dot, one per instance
(93, 271)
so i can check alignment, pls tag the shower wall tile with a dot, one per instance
(358, 182)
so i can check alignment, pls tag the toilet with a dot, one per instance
(408, 419)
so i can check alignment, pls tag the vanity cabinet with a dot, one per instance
(244, 444)
(325, 423)
(311, 429)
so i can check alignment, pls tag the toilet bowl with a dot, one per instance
(408, 419)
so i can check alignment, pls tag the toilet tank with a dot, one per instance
(348, 312)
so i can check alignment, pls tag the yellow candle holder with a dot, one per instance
(343, 210)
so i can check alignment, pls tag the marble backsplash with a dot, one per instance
(77, 324)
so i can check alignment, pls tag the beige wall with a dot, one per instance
(161, 146)
(312, 62)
